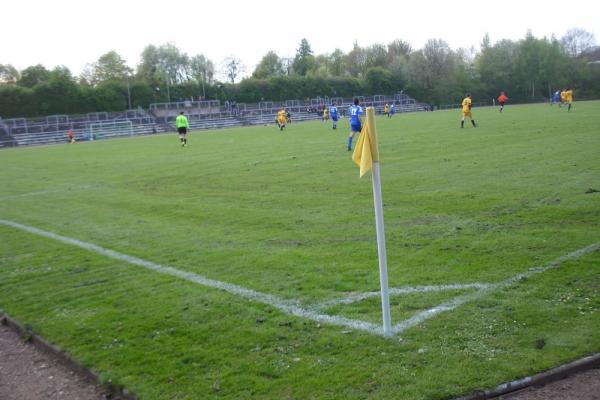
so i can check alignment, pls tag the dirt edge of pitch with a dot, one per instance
(113, 391)
(119, 393)
(538, 380)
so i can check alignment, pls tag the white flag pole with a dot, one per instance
(379, 226)
(383, 274)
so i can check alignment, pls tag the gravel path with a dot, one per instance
(28, 374)
(582, 386)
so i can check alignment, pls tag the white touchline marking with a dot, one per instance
(288, 307)
(38, 193)
(399, 291)
(452, 304)
(295, 308)
(48, 191)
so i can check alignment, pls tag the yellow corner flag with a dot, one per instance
(366, 156)
(367, 150)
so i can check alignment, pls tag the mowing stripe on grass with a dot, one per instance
(452, 304)
(286, 306)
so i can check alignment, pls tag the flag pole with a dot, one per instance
(379, 225)
(366, 156)
(383, 274)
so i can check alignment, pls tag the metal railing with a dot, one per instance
(161, 117)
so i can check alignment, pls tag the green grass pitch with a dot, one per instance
(511, 205)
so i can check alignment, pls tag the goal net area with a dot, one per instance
(108, 129)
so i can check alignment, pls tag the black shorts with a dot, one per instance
(501, 103)
(182, 130)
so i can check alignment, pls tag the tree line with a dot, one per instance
(527, 69)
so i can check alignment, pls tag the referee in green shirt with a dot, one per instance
(181, 122)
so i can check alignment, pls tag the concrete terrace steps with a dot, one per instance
(202, 115)
(24, 139)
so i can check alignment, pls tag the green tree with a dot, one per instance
(17, 101)
(321, 66)
(553, 66)
(466, 77)
(165, 63)
(398, 48)
(336, 62)
(304, 60)
(8, 74)
(376, 56)
(33, 75)
(87, 77)
(60, 95)
(379, 81)
(431, 71)
(270, 65)
(496, 66)
(528, 65)
(398, 53)
(356, 61)
(202, 69)
(111, 66)
(149, 67)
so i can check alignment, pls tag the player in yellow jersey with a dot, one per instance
(563, 96)
(466, 111)
(386, 109)
(325, 114)
(281, 119)
(569, 98)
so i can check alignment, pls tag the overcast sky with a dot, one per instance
(76, 32)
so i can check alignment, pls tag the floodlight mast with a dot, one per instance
(168, 89)
(128, 91)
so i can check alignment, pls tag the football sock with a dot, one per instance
(350, 143)
(462, 124)
(473, 122)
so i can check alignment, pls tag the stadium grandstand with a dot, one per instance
(160, 117)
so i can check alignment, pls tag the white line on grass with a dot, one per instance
(295, 308)
(48, 191)
(37, 193)
(452, 304)
(400, 291)
(289, 307)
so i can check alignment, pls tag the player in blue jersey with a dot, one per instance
(556, 98)
(392, 110)
(356, 113)
(333, 113)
